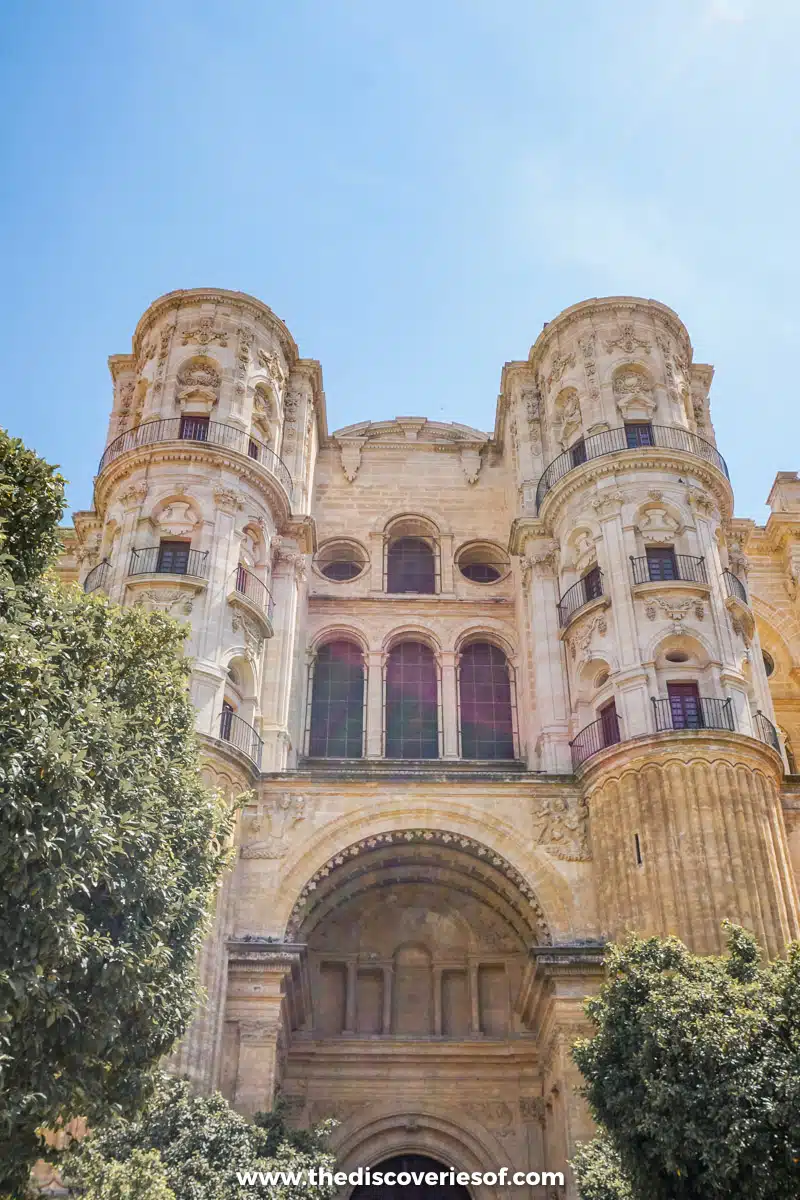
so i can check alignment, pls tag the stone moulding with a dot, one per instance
(456, 841)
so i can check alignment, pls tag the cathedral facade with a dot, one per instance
(494, 700)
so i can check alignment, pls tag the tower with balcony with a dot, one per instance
(647, 678)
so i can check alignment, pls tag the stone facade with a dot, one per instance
(405, 943)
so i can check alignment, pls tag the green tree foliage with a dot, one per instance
(141, 1177)
(200, 1144)
(695, 1074)
(599, 1173)
(110, 846)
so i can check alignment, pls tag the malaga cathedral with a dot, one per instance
(495, 699)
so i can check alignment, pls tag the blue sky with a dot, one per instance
(414, 188)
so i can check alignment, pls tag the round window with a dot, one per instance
(482, 562)
(341, 561)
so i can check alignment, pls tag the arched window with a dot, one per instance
(337, 702)
(411, 566)
(487, 724)
(412, 726)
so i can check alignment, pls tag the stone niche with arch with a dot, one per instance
(197, 385)
(417, 936)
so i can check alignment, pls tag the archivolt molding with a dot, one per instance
(334, 633)
(399, 814)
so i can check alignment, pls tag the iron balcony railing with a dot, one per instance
(682, 567)
(195, 429)
(705, 712)
(766, 731)
(154, 561)
(605, 731)
(734, 586)
(612, 441)
(236, 730)
(249, 586)
(97, 577)
(586, 589)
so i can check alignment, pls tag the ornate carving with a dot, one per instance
(471, 464)
(229, 498)
(607, 504)
(581, 640)
(567, 415)
(532, 400)
(541, 561)
(700, 501)
(351, 458)
(631, 381)
(532, 1108)
(243, 624)
(658, 525)
(560, 363)
(494, 1115)
(628, 341)
(173, 601)
(272, 365)
(267, 828)
(204, 334)
(674, 610)
(134, 494)
(561, 826)
(588, 348)
(199, 377)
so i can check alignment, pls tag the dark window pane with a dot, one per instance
(341, 570)
(609, 724)
(684, 703)
(487, 729)
(592, 584)
(173, 557)
(337, 702)
(661, 563)
(578, 452)
(194, 428)
(412, 727)
(411, 566)
(638, 433)
(480, 572)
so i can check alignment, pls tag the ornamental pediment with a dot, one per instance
(401, 430)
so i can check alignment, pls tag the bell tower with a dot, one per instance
(646, 673)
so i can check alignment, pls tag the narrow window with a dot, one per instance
(337, 702)
(173, 557)
(592, 584)
(609, 724)
(412, 729)
(578, 452)
(253, 448)
(226, 721)
(195, 429)
(411, 566)
(638, 433)
(638, 850)
(487, 729)
(684, 705)
(661, 563)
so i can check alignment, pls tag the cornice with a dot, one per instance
(677, 745)
(616, 306)
(262, 481)
(239, 301)
(623, 461)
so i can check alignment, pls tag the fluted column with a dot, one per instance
(540, 589)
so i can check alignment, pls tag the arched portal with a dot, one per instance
(411, 1178)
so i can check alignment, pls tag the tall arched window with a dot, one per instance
(337, 702)
(411, 566)
(487, 723)
(412, 726)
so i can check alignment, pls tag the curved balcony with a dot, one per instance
(156, 560)
(705, 713)
(734, 587)
(97, 579)
(580, 594)
(605, 731)
(198, 429)
(613, 441)
(677, 568)
(766, 732)
(250, 586)
(239, 733)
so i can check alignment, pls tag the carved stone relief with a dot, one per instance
(204, 334)
(628, 341)
(561, 826)
(266, 829)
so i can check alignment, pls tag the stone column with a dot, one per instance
(555, 985)
(447, 661)
(280, 675)
(632, 680)
(350, 1016)
(373, 663)
(540, 589)
(259, 977)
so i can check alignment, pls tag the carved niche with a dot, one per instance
(199, 379)
(633, 391)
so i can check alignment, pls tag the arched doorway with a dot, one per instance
(411, 1170)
